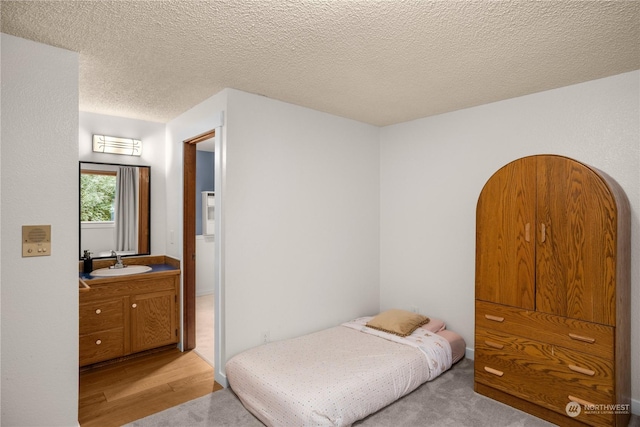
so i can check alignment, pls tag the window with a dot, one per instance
(97, 195)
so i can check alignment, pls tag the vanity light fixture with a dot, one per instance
(115, 145)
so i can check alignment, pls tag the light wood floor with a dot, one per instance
(117, 394)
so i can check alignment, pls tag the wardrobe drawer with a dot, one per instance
(591, 338)
(101, 315)
(103, 345)
(532, 382)
(579, 371)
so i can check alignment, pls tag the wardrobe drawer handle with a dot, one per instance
(580, 401)
(582, 370)
(493, 371)
(581, 338)
(494, 318)
(98, 342)
(494, 345)
(98, 311)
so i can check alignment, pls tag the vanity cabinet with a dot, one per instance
(123, 315)
(552, 318)
(102, 330)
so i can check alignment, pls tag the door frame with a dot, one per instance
(189, 239)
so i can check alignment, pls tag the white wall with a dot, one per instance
(301, 220)
(205, 268)
(199, 119)
(39, 177)
(300, 216)
(152, 135)
(432, 171)
(208, 115)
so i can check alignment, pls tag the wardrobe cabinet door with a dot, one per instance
(505, 239)
(576, 235)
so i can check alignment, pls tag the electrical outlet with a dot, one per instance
(266, 336)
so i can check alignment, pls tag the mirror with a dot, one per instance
(114, 209)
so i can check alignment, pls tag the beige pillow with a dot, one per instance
(398, 322)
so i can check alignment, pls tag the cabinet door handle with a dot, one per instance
(527, 232)
(134, 305)
(494, 345)
(543, 232)
(581, 338)
(580, 401)
(98, 311)
(494, 318)
(582, 370)
(493, 371)
(98, 342)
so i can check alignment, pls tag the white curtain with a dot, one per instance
(126, 217)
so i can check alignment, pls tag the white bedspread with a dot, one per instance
(336, 376)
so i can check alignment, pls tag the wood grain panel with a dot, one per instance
(144, 214)
(584, 374)
(152, 282)
(539, 390)
(572, 344)
(558, 330)
(101, 315)
(576, 264)
(117, 394)
(505, 258)
(100, 346)
(153, 321)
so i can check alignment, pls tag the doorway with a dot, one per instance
(189, 238)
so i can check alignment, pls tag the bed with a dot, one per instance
(339, 375)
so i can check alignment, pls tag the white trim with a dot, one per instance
(220, 171)
(88, 225)
(469, 353)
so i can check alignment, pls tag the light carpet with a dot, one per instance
(449, 400)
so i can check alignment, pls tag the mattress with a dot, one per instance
(336, 376)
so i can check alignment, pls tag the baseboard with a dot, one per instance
(204, 292)
(469, 353)
(221, 378)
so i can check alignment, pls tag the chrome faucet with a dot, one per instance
(118, 263)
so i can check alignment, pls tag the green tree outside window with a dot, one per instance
(97, 193)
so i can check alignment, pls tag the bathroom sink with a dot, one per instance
(130, 269)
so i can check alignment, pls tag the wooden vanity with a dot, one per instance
(123, 315)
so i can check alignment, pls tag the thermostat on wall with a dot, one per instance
(36, 240)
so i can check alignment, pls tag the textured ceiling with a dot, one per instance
(379, 62)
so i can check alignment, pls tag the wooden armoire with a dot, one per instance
(552, 320)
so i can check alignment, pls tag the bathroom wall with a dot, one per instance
(39, 185)
(152, 135)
